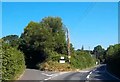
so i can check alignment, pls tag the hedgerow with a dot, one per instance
(113, 60)
(13, 63)
(82, 60)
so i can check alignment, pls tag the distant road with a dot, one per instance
(98, 74)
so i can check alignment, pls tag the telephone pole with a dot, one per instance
(68, 45)
(68, 42)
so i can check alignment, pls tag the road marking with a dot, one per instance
(84, 71)
(48, 74)
(88, 76)
(47, 78)
(90, 73)
(55, 75)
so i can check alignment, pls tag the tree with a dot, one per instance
(55, 23)
(35, 40)
(110, 51)
(12, 40)
(72, 51)
(58, 34)
(113, 59)
(82, 47)
(40, 38)
(99, 53)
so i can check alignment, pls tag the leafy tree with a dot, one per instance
(109, 51)
(55, 23)
(112, 51)
(39, 38)
(113, 59)
(58, 34)
(35, 40)
(82, 48)
(78, 50)
(99, 52)
(12, 40)
(72, 49)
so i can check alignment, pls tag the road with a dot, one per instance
(98, 74)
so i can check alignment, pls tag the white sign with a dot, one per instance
(62, 58)
(62, 61)
(69, 56)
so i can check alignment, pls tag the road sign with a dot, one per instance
(62, 59)
(69, 56)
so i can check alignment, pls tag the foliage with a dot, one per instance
(72, 50)
(112, 50)
(56, 26)
(34, 41)
(54, 56)
(45, 42)
(113, 59)
(13, 63)
(12, 40)
(82, 60)
(82, 47)
(52, 62)
(54, 66)
(38, 38)
(99, 52)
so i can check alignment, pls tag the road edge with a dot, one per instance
(93, 69)
(111, 74)
(21, 75)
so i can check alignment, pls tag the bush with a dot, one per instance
(52, 62)
(54, 56)
(82, 60)
(13, 63)
(113, 60)
(54, 66)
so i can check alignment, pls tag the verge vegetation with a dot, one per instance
(41, 45)
(113, 59)
(13, 63)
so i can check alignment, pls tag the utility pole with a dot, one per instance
(68, 42)
(68, 45)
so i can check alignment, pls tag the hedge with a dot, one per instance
(82, 60)
(113, 61)
(13, 63)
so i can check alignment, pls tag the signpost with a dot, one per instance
(68, 43)
(62, 60)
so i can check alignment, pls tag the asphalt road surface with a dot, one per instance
(98, 74)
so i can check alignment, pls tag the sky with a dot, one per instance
(89, 23)
(60, 0)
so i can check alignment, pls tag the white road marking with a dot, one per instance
(90, 73)
(48, 74)
(48, 78)
(84, 71)
(88, 76)
(55, 75)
